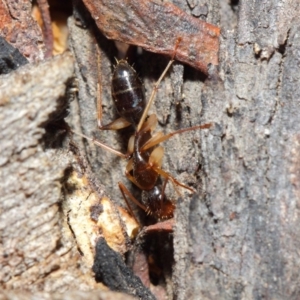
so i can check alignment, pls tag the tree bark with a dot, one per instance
(237, 236)
(240, 241)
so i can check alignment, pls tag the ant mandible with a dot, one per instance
(144, 153)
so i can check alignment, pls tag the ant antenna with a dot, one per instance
(152, 97)
(102, 145)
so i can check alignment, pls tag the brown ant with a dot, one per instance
(144, 154)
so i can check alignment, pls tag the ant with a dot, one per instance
(144, 154)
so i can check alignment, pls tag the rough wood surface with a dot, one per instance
(32, 243)
(45, 243)
(19, 28)
(243, 236)
(131, 22)
(70, 295)
(238, 236)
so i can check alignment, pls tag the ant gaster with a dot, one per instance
(144, 154)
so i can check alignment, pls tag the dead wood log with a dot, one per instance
(32, 245)
(238, 236)
(240, 241)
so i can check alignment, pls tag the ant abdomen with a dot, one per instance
(128, 92)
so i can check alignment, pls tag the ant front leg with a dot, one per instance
(174, 181)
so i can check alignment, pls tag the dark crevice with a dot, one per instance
(234, 5)
(282, 47)
(178, 113)
(74, 236)
(282, 50)
(234, 2)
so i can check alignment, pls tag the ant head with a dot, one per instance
(157, 204)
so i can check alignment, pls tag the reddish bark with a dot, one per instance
(156, 27)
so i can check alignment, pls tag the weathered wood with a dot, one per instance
(32, 244)
(237, 237)
(131, 22)
(38, 251)
(243, 236)
(70, 295)
(19, 28)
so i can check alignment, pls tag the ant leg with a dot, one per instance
(99, 89)
(159, 139)
(155, 88)
(125, 192)
(178, 41)
(130, 146)
(174, 181)
(150, 124)
(102, 145)
(153, 94)
(155, 161)
(164, 188)
(156, 157)
(114, 125)
(99, 105)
